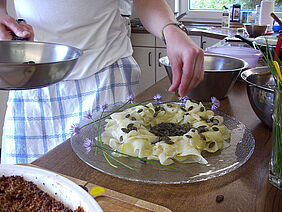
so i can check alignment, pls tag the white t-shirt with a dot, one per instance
(94, 26)
(125, 7)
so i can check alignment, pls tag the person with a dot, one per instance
(125, 8)
(39, 119)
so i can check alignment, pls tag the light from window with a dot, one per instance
(218, 4)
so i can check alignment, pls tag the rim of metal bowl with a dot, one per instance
(258, 70)
(165, 61)
(261, 40)
(79, 53)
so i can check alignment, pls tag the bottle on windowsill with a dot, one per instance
(257, 15)
(225, 18)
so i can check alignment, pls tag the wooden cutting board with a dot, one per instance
(110, 200)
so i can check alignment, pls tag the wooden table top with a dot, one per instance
(245, 189)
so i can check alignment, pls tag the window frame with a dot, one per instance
(182, 6)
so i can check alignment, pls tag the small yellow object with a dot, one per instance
(278, 70)
(97, 190)
(167, 24)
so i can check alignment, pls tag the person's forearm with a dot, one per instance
(154, 14)
(3, 4)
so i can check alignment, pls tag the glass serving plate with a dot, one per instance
(238, 150)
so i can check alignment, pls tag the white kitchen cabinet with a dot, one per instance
(143, 39)
(160, 52)
(146, 51)
(160, 69)
(145, 57)
(160, 43)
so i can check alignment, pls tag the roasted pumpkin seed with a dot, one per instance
(211, 145)
(215, 128)
(183, 108)
(125, 130)
(127, 116)
(219, 198)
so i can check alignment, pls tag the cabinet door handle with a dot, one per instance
(203, 44)
(149, 58)
(160, 54)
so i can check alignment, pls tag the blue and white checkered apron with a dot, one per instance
(38, 120)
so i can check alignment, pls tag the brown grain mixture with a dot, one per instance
(17, 194)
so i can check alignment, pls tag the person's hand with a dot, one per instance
(9, 24)
(186, 60)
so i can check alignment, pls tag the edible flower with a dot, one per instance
(75, 129)
(215, 103)
(131, 99)
(157, 98)
(183, 99)
(104, 106)
(87, 145)
(88, 115)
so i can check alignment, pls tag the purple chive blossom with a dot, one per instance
(131, 99)
(88, 115)
(215, 103)
(104, 106)
(87, 145)
(75, 129)
(183, 99)
(158, 98)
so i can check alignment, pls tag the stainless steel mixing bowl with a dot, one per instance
(261, 95)
(221, 72)
(26, 65)
(255, 30)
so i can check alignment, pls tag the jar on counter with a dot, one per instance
(246, 17)
(225, 18)
(257, 15)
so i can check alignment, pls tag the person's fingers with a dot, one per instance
(13, 26)
(4, 33)
(28, 28)
(192, 71)
(176, 68)
(201, 73)
(186, 61)
(198, 68)
(187, 74)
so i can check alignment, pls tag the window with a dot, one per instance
(218, 4)
(211, 10)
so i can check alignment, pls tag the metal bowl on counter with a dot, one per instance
(260, 94)
(255, 30)
(260, 43)
(221, 73)
(250, 55)
(27, 65)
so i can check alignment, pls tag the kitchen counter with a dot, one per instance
(213, 30)
(244, 189)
